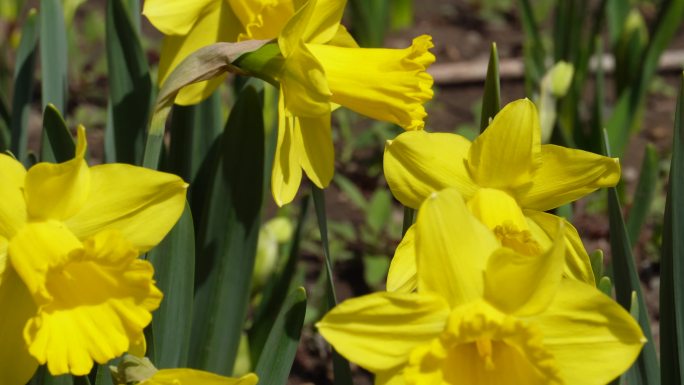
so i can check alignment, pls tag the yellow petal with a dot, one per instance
(379, 330)
(35, 249)
(318, 155)
(303, 83)
(418, 163)
(220, 24)
(390, 84)
(524, 284)
(262, 19)
(577, 262)
(12, 205)
(176, 17)
(16, 365)
(317, 21)
(565, 175)
(452, 248)
(506, 155)
(196, 377)
(101, 298)
(142, 204)
(390, 377)
(593, 339)
(402, 271)
(495, 208)
(343, 38)
(58, 191)
(287, 172)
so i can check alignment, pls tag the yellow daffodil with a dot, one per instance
(70, 236)
(507, 177)
(319, 65)
(191, 25)
(196, 377)
(484, 314)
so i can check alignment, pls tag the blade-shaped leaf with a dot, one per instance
(58, 135)
(671, 265)
(174, 267)
(130, 86)
(23, 84)
(341, 368)
(645, 370)
(491, 100)
(279, 351)
(645, 191)
(228, 239)
(274, 294)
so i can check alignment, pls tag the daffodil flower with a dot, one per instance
(70, 236)
(319, 66)
(508, 178)
(484, 314)
(191, 25)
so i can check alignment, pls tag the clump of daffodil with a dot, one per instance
(191, 25)
(484, 314)
(70, 236)
(317, 65)
(140, 371)
(508, 179)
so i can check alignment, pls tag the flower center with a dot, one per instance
(481, 345)
(519, 240)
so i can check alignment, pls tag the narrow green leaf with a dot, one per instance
(276, 360)
(606, 286)
(671, 266)
(596, 259)
(5, 125)
(491, 100)
(644, 194)
(23, 84)
(43, 377)
(351, 191)
(81, 380)
(645, 370)
(409, 215)
(174, 267)
(104, 375)
(379, 210)
(228, 239)
(341, 368)
(53, 54)
(58, 135)
(274, 295)
(130, 86)
(370, 21)
(533, 48)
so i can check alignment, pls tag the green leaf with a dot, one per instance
(130, 86)
(645, 370)
(58, 135)
(23, 84)
(409, 216)
(193, 130)
(43, 377)
(53, 63)
(341, 369)
(596, 259)
(533, 48)
(203, 64)
(644, 194)
(228, 239)
(379, 210)
(5, 125)
(671, 264)
(370, 21)
(174, 267)
(491, 100)
(351, 191)
(274, 294)
(375, 269)
(104, 375)
(276, 359)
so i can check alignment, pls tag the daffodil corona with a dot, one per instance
(70, 236)
(484, 314)
(508, 178)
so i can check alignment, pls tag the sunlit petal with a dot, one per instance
(452, 248)
(593, 339)
(176, 17)
(12, 205)
(318, 155)
(565, 175)
(402, 271)
(418, 163)
(379, 330)
(507, 154)
(196, 377)
(286, 174)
